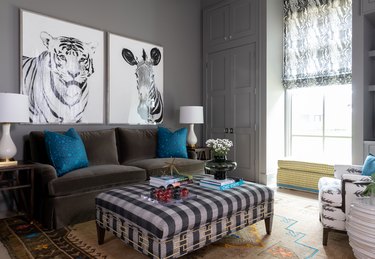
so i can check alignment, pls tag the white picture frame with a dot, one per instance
(133, 98)
(62, 70)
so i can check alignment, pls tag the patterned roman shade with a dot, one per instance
(317, 43)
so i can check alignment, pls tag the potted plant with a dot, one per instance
(370, 190)
(220, 165)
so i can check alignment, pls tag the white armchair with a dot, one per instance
(336, 195)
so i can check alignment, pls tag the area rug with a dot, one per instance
(296, 233)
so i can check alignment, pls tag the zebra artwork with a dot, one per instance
(56, 80)
(150, 106)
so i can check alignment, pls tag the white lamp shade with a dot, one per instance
(14, 108)
(191, 114)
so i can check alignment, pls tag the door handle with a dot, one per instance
(226, 130)
(231, 131)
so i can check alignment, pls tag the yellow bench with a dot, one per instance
(299, 175)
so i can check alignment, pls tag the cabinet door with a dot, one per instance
(216, 25)
(368, 6)
(243, 109)
(242, 19)
(217, 94)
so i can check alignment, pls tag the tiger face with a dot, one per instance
(71, 63)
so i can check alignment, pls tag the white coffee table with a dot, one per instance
(360, 225)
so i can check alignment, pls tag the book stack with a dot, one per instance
(175, 180)
(199, 177)
(221, 185)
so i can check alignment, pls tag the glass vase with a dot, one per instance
(220, 166)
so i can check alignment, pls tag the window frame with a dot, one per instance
(289, 125)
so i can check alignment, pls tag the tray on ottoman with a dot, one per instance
(171, 231)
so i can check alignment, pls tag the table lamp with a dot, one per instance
(14, 108)
(191, 115)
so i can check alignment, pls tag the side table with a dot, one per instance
(25, 171)
(203, 153)
(360, 225)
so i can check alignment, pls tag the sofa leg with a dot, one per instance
(100, 233)
(325, 236)
(268, 222)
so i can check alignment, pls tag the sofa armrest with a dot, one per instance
(340, 170)
(355, 178)
(43, 174)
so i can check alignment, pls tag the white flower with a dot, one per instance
(220, 147)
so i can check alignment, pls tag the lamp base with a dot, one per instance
(191, 137)
(191, 145)
(7, 162)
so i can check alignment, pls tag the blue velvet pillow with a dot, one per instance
(369, 165)
(172, 144)
(65, 151)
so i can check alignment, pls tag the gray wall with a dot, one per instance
(206, 3)
(175, 25)
(275, 92)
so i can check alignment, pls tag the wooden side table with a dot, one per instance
(203, 153)
(12, 181)
(360, 225)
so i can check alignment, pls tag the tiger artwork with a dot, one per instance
(56, 80)
(150, 107)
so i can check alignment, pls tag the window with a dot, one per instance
(317, 72)
(320, 123)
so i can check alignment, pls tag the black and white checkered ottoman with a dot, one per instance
(173, 230)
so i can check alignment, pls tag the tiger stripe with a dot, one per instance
(48, 78)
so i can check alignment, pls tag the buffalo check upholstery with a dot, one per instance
(170, 231)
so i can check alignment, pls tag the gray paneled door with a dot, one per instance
(217, 25)
(231, 103)
(226, 23)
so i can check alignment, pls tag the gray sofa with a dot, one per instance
(116, 157)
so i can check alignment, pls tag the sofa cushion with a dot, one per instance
(158, 166)
(100, 146)
(105, 139)
(65, 151)
(95, 177)
(135, 144)
(369, 165)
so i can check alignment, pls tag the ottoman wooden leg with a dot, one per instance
(101, 233)
(325, 236)
(268, 222)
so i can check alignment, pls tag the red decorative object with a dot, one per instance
(184, 192)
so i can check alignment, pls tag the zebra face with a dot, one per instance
(145, 80)
(150, 102)
(71, 62)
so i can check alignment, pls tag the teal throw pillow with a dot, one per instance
(369, 165)
(65, 151)
(172, 144)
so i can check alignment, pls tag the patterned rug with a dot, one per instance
(19, 239)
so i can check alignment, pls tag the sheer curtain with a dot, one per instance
(317, 43)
